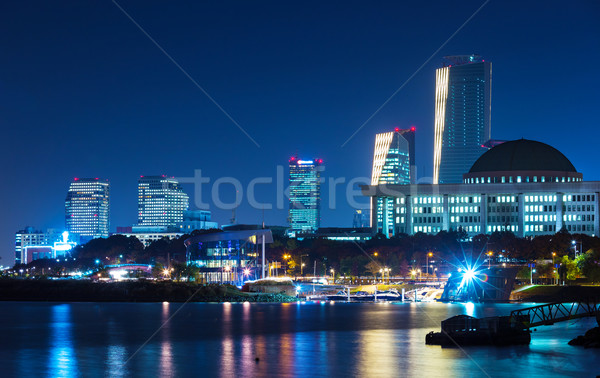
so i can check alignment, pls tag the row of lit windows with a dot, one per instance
(464, 209)
(576, 217)
(426, 200)
(540, 218)
(502, 199)
(427, 229)
(494, 228)
(545, 198)
(518, 179)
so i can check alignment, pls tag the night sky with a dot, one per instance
(84, 93)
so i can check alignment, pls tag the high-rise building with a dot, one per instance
(463, 97)
(87, 208)
(393, 163)
(305, 195)
(161, 202)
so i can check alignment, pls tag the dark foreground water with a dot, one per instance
(300, 339)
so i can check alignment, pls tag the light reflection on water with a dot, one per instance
(288, 339)
(61, 359)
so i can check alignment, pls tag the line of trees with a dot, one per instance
(401, 254)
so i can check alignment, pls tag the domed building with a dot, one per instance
(522, 161)
(522, 186)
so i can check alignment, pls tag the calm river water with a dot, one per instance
(299, 339)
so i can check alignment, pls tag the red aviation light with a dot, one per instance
(320, 161)
(397, 129)
(413, 129)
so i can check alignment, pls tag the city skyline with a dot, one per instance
(55, 113)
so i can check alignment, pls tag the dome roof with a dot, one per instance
(522, 155)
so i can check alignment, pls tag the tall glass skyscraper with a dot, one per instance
(161, 202)
(87, 208)
(393, 163)
(305, 195)
(463, 97)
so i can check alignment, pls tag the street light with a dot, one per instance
(490, 254)
(332, 274)
(430, 254)
(302, 265)
(286, 257)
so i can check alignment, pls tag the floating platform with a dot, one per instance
(463, 330)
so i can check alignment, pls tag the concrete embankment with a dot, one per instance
(549, 294)
(128, 291)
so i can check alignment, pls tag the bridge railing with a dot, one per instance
(551, 313)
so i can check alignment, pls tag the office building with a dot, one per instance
(161, 202)
(305, 195)
(87, 208)
(522, 186)
(463, 96)
(393, 163)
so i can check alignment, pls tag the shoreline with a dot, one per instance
(129, 292)
(143, 291)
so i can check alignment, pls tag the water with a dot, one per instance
(299, 339)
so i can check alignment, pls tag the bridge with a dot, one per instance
(551, 313)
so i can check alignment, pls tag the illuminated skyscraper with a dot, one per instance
(161, 202)
(393, 163)
(463, 97)
(305, 195)
(87, 208)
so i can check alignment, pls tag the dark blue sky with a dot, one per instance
(83, 93)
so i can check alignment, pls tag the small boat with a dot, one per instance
(339, 296)
(388, 295)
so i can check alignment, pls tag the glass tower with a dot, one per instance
(161, 202)
(87, 208)
(305, 195)
(393, 163)
(463, 98)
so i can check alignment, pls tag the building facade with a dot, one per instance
(31, 244)
(305, 195)
(522, 186)
(161, 202)
(393, 164)
(150, 236)
(197, 220)
(87, 208)
(463, 96)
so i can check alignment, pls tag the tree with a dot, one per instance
(568, 269)
(373, 267)
(589, 265)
